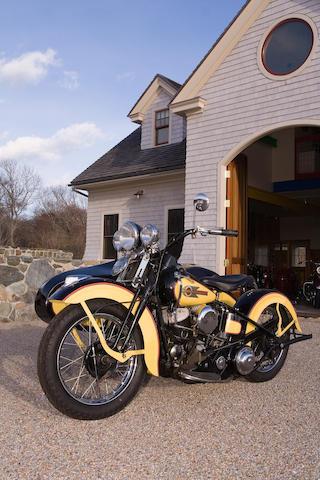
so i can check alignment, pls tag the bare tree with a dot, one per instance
(3, 225)
(19, 186)
(60, 220)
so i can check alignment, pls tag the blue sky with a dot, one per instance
(70, 71)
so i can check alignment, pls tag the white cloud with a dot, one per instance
(70, 81)
(30, 67)
(126, 76)
(4, 134)
(74, 137)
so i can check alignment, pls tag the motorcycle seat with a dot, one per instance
(228, 283)
(200, 272)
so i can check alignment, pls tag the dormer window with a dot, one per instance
(162, 127)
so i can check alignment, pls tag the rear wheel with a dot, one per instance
(316, 299)
(267, 349)
(76, 374)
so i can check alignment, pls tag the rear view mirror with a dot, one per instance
(201, 202)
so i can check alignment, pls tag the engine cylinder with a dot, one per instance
(207, 320)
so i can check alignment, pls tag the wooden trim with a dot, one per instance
(187, 107)
(282, 201)
(221, 49)
(145, 100)
(237, 216)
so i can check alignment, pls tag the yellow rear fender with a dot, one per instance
(253, 304)
(122, 295)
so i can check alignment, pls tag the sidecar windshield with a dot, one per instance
(176, 248)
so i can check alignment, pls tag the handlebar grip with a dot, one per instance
(224, 232)
(230, 233)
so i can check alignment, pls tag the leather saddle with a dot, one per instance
(225, 283)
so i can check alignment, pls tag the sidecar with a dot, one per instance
(43, 307)
(44, 310)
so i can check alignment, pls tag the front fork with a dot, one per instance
(120, 353)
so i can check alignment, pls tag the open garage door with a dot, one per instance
(237, 216)
(274, 194)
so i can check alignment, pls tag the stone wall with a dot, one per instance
(22, 271)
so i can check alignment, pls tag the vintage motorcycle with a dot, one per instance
(310, 290)
(155, 317)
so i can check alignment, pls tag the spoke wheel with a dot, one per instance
(267, 350)
(75, 372)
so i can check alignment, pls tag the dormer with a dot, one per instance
(159, 126)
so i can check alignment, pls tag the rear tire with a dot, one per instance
(277, 357)
(317, 299)
(77, 376)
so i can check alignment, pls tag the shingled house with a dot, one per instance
(244, 129)
(141, 178)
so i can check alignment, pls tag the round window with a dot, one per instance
(287, 46)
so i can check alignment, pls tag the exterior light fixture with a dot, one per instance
(139, 194)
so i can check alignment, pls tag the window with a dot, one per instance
(287, 46)
(299, 256)
(175, 222)
(162, 127)
(308, 156)
(110, 226)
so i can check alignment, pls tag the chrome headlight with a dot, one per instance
(149, 235)
(120, 265)
(318, 270)
(127, 237)
(116, 241)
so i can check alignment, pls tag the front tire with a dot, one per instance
(76, 374)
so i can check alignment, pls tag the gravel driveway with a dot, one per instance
(171, 430)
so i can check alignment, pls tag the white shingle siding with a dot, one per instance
(177, 128)
(159, 194)
(240, 102)
(176, 123)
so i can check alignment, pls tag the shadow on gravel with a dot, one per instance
(18, 363)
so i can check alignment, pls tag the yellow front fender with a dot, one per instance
(124, 296)
(273, 298)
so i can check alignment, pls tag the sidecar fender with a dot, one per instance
(254, 302)
(117, 293)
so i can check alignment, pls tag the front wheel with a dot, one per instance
(76, 374)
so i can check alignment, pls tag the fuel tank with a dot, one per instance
(184, 291)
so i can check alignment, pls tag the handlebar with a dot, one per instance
(224, 232)
(193, 231)
(218, 231)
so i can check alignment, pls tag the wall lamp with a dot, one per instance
(139, 194)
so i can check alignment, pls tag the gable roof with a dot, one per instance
(142, 104)
(219, 51)
(128, 160)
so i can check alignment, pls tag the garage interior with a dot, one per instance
(274, 194)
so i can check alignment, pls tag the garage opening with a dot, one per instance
(274, 194)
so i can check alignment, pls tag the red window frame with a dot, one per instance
(161, 127)
(307, 138)
(288, 20)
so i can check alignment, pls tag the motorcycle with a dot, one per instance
(310, 291)
(153, 316)
(261, 274)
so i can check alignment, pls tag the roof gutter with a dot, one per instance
(79, 192)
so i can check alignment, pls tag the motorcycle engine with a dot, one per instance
(207, 319)
(178, 315)
(204, 317)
